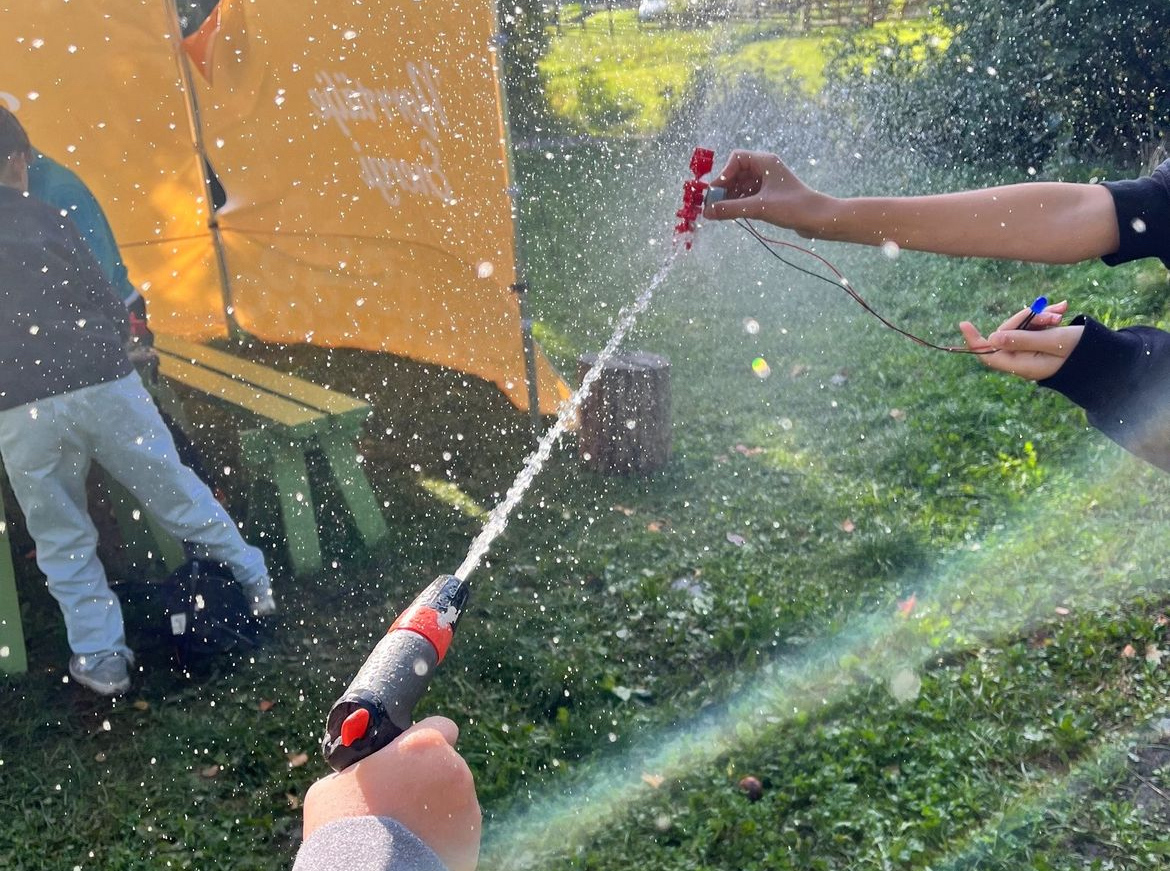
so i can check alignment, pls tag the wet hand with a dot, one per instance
(417, 779)
(1035, 353)
(760, 185)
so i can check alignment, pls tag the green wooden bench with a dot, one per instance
(12, 655)
(289, 420)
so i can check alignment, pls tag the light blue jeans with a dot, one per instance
(47, 447)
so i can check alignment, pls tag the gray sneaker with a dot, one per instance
(107, 674)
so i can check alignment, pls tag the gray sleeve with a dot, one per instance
(366, 844)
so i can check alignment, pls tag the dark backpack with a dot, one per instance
(207, 611)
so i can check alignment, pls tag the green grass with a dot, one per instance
(633, 80)
(618, 616)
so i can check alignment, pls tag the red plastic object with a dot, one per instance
(437, 627)
(355, 726)
(702, 161)
(138, 328)
(694, 190)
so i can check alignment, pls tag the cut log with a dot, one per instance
(625, 423)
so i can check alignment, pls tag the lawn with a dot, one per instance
(633, 78)
(921, 603)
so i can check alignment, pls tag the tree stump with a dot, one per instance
(625, 422)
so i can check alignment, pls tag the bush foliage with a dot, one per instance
(1024, 81)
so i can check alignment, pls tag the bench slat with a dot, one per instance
(258, 402)
(280, 383)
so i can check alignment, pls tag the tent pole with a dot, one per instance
(196, 126)
(520, 288)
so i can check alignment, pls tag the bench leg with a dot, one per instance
(13, 658)
(356, 492)
(283, 466)
(146, 543)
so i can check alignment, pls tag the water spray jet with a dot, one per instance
(378, 704)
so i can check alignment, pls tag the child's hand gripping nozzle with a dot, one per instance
(378, 705)
(694, 191)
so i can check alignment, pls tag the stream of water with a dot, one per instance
(497, 521)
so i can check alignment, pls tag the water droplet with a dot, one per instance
(905, 685)
(891, 249)
(761, 368)
(751, 326)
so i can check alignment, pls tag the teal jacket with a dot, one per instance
(61, 188)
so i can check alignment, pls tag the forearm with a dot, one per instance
(1044, 222)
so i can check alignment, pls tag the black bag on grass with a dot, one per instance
(207, 611)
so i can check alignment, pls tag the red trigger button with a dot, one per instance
(354, 726)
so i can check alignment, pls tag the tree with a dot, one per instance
(524, 28)
(1026, 81)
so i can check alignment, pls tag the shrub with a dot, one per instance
(1022, 82)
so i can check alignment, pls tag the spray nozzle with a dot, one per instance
(694, 192)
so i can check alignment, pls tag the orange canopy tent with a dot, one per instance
(361, 146)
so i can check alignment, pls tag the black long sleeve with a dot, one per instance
(1122, 380)
(1122, 377)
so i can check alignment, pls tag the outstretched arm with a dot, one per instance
(1043, 222)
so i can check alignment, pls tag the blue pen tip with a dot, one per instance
(1039, 305)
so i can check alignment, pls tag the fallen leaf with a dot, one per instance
(1161, 620)
(296, 760)
(1128, 652)
(847, 525)
(294, 800)
(748, 452)
(907, 605)
(142, 705)
(736, 539)
(624, 510)
(897, 414)
(654, 526)
(210, 771)
(839, 380)
(1062, 611)
(752, 788)
(1153, 654)
(99, 757)
(623, 693)
(798, 370)
(266, 705)
(653, 780)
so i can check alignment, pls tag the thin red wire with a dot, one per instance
(844, 283)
